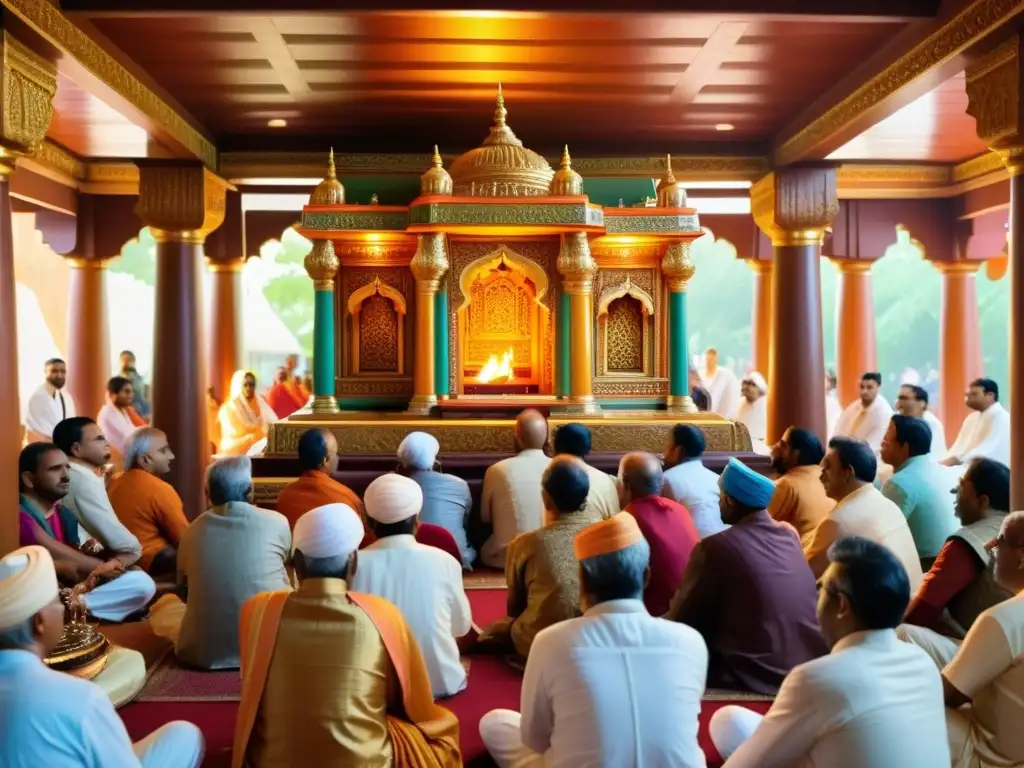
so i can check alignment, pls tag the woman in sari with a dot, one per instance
(245, 418)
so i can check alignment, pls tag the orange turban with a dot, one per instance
(611, 535)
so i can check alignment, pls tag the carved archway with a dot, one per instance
(378, 321)
(624, 322)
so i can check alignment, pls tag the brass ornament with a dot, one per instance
(527, 215)
(685, 223)
(81, 651)
(322, 265)
(566, 182)
(329, 191)
(430, 262)
(576, 265)
(370, 219)
(29, 85)
(436, 181)
(677, 266)
(501, 166)
(323, 404)
(671, 193)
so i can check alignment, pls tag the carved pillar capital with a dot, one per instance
(993, 100)
(322, 264)
(576, 264)
(759, 266)
(29, 83)
(223, 264)
(677, 266)
(180, 202)
(852, 266)
(794, 206)
(958, 267)
(430, 262)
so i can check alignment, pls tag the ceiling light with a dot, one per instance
(724, 127)
(278, 122)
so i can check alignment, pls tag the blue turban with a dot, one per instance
(748, 487)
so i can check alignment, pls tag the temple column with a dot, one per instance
(441, 380)
(960, 348)
(678, 269)
(224, 332)
(88, 354)
(578, 270)
(181, 203)
(793, 207)
(322, 266)
(428, 266)
(855, 326)
(563, 370)
(761, 317)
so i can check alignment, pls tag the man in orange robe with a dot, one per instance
(333, 677)
(284, 397)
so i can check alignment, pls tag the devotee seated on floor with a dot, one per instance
(283, 396)
(722, 385)
(117, 417)
(511, 498)
(983, 677)
(55, 719)
(799, 497)
(541, 570)
(228, 554)
(912, 400)
(848, 474)
(245, 418)
(753, 410)
(873, 702)
(665, 524)
(689, 482)
(84, 443)
(50, 404)
(423, 582)
(334, 677)
(961, 582)
(447, 501)
(130, 372)
(104, 588)
(574, 440)
(921, 488)
(986, 431)
(147, 506)
(748, 592)
(867, 418)
(316, 486)
(615, 687)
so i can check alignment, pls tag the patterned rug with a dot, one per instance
(483, 578)
(171, 682)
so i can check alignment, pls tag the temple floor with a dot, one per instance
(210, 699)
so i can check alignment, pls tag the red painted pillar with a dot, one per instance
(224, 336)
(1015, 386)
(855, 326)
(88, 353)
(761, 316)
(960, 349)
(10, 408)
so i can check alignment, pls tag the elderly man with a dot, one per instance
(961, 583)
(511, 500)
(574, 440)
(614, 687)
(749, 593)
(983, 679)
(447, 501)
(147, 506)
(335, 677)
(50, 404)
(105, 589)
(986, 432)
(753, 411)
(799, 497)
(848, 474)
(873, 702)
(423, 582)
(919, 487)
(55, 719)
(689, 482)
(316, 486)
(541, 572)
(230, 553)
(665, 524)
(867, 418)
(84, 443)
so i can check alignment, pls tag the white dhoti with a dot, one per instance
(731, 726)
(118, 599)
(175, 745)
(499, 730)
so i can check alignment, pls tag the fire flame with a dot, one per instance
(494, 370)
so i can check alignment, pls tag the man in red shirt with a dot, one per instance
(960, 583)
(665, 524)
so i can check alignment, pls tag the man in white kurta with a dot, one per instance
(866, 419)
(55, 719)
(689, 482)
(50, 404)
(424, 582)
(873, 702)
(753, 411)
(615, 687)
(986, 431)
(722, 385)
(833, 409)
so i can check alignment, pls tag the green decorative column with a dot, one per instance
(322, 265)
(678, 269)
(441, 383)
(562, 346)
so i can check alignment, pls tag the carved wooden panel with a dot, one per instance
(378, 336)
(625, 333)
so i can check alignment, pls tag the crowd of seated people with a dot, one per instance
(887, 635)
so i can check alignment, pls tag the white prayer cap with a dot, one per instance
(393, 498)
(418, 450)
(758, 381)
(28, 583)
(333, 530)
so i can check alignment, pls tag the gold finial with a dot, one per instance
(566, 181)
(436, 180)
(671, 193)
(500, 113)
(332, 173)
(437, 158)
(374, 200)
(566, 160)
(329, 191)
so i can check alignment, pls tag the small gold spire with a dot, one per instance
(671, 193)
(437, 158)
(566, 181)
(566, 160)
(329, 191)
(436, 180)
(332, 173)
(500, 113)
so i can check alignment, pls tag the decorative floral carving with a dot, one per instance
(29, 85)
(625, 329)
(378, 335)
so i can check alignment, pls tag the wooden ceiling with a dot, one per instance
(400, 81)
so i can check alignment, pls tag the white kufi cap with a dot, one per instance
(393, 498)
(333, 530)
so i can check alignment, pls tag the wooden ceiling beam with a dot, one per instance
(281, 60)
(704, 68)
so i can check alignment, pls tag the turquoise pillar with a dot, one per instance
(441, 382)
(679, 354)
(562, 346)
(323, 344)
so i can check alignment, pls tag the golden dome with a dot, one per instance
(436, 181)
(566, 181)
(329, 191)
(671, 193)
(501, 166)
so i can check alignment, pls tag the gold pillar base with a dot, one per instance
(421, 405)
(584, 405)
(441, 398)
(324, 404)
(680, 404)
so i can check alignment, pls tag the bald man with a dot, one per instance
(511, 500)
(665, 524)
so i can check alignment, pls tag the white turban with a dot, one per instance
(758, 381)
(333, 530)
(28, 583)
(418, 450)
(393, 498)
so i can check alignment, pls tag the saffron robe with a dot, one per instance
(355, 691)
(150, 509)
(313, 489)
(243, 424)
(284, 399)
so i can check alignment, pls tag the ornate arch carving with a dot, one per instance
(625, 288)
(378, 286)
(379, 331)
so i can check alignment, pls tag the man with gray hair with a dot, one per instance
(231, 552)
(447, 501)
(613, 687)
